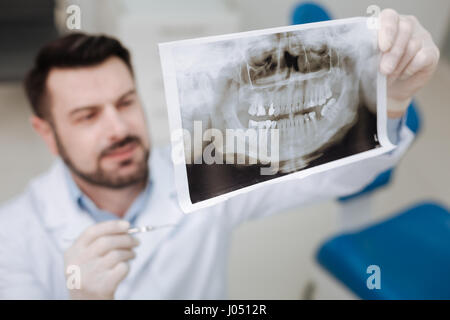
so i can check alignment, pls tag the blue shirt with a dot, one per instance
(393, 128)
(99, 215)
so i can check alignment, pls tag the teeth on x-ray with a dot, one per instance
(326, 107)
(304, 83)
(295, 99)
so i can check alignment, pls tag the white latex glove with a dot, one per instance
(409, 58)
(102, 252)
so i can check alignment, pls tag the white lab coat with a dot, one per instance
(185, 262)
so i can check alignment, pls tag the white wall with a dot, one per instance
(434, 14)
(257, 14)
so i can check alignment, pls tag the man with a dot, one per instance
(66, 236)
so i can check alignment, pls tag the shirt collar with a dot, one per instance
(86, 204)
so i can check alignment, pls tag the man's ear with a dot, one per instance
(45, 131)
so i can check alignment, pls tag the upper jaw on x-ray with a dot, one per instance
(305, 83)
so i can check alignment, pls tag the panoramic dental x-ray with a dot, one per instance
(252, 107)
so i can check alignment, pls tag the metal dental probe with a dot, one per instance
(149, 228)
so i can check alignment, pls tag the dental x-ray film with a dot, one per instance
(254, 108)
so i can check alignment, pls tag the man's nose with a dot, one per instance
(115, 124)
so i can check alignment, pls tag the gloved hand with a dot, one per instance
(409, 58)
(102, 253)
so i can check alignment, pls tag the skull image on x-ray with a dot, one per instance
(308, 84)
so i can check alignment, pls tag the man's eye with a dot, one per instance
(88, 116)
(126, 103)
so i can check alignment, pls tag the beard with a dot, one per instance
(103, 178)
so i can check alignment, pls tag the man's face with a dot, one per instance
(99, 123)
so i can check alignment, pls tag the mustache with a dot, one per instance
(116, 145)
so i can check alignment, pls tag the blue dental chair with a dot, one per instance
(412, 249)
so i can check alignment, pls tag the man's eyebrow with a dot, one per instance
(126, 94)
(80, 109)
(86, 108)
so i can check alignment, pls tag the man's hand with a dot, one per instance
(101, 253)
(409, 58)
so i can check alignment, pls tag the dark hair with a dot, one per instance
(70, 51)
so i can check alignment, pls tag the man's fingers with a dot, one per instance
(101, 229)
(117, 274)
(414, 45)
(388, 29)
(103, 245)
(425, 59)
(391, 58)
(113, 257)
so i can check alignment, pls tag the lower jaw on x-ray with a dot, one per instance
(315, 87)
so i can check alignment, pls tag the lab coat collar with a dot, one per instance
(56, 209)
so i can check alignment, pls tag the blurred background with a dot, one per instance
(272, 258)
